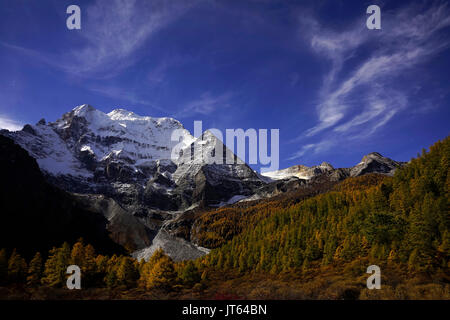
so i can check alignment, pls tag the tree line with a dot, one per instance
(116, 271)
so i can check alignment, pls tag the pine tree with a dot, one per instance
(17, 268)
(146, 267)
(242, 263)
(111, 278)
(56, 266)
(101, 263)
(111, 271)
(205, 276)
(220, 261)
(140, 265)
(77, 254)
(3, 266)
(51, 275)
(126, 272)
(189, 274)
(328, 251)
(413, 260)
(420, 241)
(35, 271)
(162, 275)
(89, 268)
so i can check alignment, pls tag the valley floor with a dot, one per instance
(345, 282)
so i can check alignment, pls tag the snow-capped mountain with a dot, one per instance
(130, 169)
(88, 151)
(88, 143)
(145, 175)
(371, 163)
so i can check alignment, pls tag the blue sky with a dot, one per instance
(312, 69)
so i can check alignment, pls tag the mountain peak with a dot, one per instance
(208, 135)
(126, 115)
(372, 156)
(122, 114)
(83, 109)
(326, 165)
(375, 154)
(374, 162)
(85, 141)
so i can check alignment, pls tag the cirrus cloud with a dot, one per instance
(10, 124)
(357, 99)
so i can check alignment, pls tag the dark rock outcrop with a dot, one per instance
(36, 215)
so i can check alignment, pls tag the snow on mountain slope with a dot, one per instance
(371, 163)
(136, 159)
(50, 151)
(211, 173)
(299, 171)
(120, 135)
(209, 151)
(86, 140)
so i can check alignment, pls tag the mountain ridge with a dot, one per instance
(120, 165)
(374, 160)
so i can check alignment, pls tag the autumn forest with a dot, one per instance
(314, 245)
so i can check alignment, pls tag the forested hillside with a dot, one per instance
(402, 219)
(310, 245)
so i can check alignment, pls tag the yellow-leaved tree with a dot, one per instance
(17, 268)
(35, 271)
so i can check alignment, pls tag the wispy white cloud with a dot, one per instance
(380, 107)
(368, 94)
(112, 35)
(206, 104)
(313, 148)
(10, 124)
(117, 29)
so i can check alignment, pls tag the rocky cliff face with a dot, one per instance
(375, 162)
(300, 176)
(121, 165)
